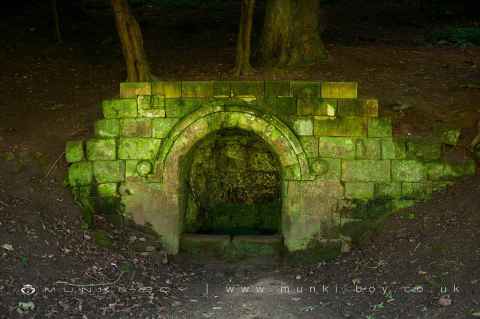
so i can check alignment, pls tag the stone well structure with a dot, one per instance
(332, 149)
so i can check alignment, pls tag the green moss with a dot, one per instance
(379, 127)
(119, 108)
(107, 128)
(367, 218)
(345, 126)
(80, 173)
(336, 147)
(74, 151)
(84, 197)
(101, 149)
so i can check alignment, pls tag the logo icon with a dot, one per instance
(28, 289)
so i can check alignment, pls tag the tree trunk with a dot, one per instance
(56, 22)
(138, 69)
(291, 33)
(242, 63)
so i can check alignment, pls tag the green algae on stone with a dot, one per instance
(101, 149)
(408, 171)
(138, 147)
(107, 128)
(336, 147)
(80, 173)
(109, 171)
(119, 108)
(379, 127)
(139, 127)
(74, 151)
(366, 171)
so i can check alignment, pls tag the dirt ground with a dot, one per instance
(424, 264)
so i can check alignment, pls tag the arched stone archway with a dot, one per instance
(208, 119)
(195, 127)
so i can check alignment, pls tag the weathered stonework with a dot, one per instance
(333, 152)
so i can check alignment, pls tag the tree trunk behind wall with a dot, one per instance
(138, 69)
(242, 63)
(291, 33)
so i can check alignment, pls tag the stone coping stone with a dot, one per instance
(205, 245)
(257, 245)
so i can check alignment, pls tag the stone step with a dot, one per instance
(228, 246)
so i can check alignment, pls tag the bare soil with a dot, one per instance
(50, 93)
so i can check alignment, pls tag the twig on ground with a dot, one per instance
(54, 164)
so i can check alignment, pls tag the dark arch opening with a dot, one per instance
(231, 184)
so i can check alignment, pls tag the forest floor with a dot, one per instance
(424, 263)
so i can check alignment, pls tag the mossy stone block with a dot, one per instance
(132, 89)
(306, 105)
(345, 126)
(366, 171)
(379, 127)
(305, 89)
(277, 88)
(107, 128)
(248, 88)
(393, 149)
(204, 245)
(152, 112)
(107, 190)
(416, 190)
(74, 151)
(161, 127)
(333, 169)
(434, 170)
(101, 149)
(120, 108)
(369, 107)
(339, 90)
(138, 147)
(198, 89)
(325, 107)
(144, 101)
(284, 106)
(245, 245)
(349, 107)
(408, 171)
(303, 126)
(182, 106)
(424, 150)
(310, 145)
(368, 148)
(390, 190)
(336, 147)
(222, 89)
(168, 89)
(157, 101)
(359, 190)
(109, 171)
(139, 127)
(80, 173)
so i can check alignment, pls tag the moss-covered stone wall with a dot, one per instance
(333, 149)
